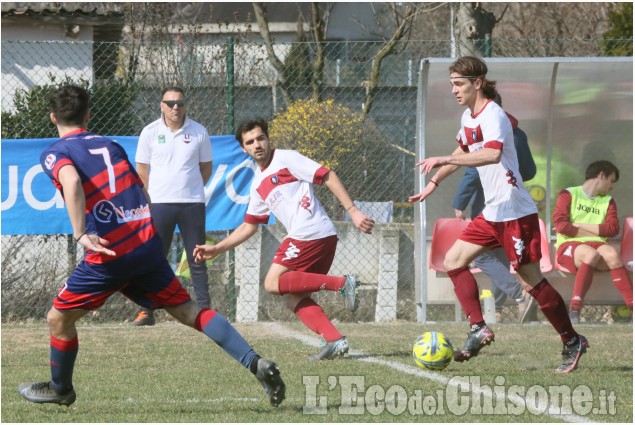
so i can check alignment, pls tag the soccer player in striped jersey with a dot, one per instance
(110, 214)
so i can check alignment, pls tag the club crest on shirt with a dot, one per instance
(161, 139)
(473, 135)
(50, 161)
(187, 138)
(274, 179)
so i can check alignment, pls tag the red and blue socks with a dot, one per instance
(219, 330)
(63, 355)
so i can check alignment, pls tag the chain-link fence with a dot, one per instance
(340, 105)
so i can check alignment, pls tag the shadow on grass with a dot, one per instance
(396, 354)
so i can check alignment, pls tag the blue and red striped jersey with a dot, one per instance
(116, 208)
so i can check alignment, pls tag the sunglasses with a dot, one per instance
(171, 103)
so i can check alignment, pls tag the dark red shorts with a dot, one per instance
(564, 254)
(519, 238)
(307, 256)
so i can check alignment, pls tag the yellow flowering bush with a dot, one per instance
(343, 141)
(323, 131)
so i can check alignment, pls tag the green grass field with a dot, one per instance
(169, 373)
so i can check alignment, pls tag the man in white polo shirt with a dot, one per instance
(174, 161)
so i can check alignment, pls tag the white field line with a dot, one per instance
(432, 376)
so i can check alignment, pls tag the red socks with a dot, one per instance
(313, 317)
(466, 291)
(584, 277)
(554, 309)
(622, 282)
(302, 282)
(581, 285)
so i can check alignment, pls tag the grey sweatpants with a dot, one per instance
(495, 265)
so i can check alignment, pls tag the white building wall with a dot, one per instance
(25, 65)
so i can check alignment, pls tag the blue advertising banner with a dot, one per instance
(31, 205)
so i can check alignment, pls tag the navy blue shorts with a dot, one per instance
(152, 285)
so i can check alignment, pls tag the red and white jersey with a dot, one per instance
(285, 188)
(505, 195)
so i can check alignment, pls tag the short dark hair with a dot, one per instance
(595, 168)
(249, 125)
(473, 68)
(69, 104)
(172, 88)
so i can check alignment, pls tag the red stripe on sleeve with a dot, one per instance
(256, 219)
(493, 144)
(321, 172)
(58, 165)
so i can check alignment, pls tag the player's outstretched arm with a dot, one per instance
(75, 200)
(445, 170)
(421, 196)
(238, 236)
(362, 221)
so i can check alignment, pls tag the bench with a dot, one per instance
(447, 230)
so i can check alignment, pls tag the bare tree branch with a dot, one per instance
(263, 24)
(411, 11)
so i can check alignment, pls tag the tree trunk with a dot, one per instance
(472, 26)
(263, 24)
(318, 64)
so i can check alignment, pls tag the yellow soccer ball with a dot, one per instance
(432, 351)
(621, 314)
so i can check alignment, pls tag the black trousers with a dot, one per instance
(190, 217)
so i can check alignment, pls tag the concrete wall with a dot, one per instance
(384, 262)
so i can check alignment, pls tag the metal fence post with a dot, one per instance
(487, 46)
(231, 281)
(420, 239)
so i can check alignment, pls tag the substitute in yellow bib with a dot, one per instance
(585, 217)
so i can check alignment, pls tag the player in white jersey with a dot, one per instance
(283, 185)
(509, 220)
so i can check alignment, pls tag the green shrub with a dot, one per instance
(111, 110)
